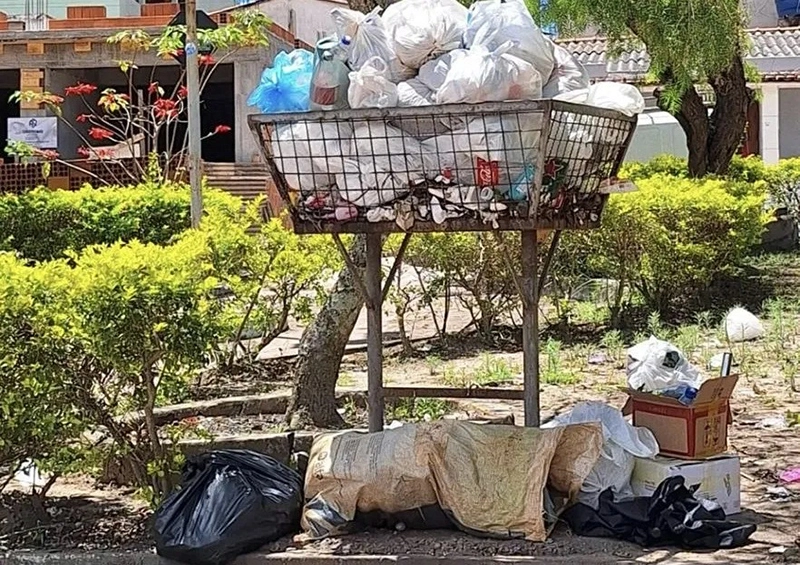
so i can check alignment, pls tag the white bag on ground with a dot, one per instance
(489, 76)
(494, 22)
(624, 98)
(370, 86)
(622, 444)
(424, 29)
(568, 75)
(369, 38)
(310, 153)
(742, 325)
(655, 365)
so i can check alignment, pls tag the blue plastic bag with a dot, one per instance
(285, 86)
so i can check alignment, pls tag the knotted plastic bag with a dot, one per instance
(285, 86)
(370, 86)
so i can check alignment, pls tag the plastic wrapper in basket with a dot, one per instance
(510, 165)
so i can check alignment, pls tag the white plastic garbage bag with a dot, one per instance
(368, 38)
(624, 98)
(370, 86)
(622, 444)
(413, 92)
(568, 75)
(309, 153)
(742, 325)
(433, 73)
(424, 29)
(385, 162)
(493, 22)
(489, 151)
(655, 365)
(489, 76)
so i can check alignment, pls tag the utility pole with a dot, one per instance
(193, 88)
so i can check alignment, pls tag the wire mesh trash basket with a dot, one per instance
(461, 167)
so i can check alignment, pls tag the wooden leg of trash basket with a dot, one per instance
(374, 333)
(530, 326)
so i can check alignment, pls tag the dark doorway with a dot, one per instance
(9, 84)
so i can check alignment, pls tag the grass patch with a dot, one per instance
(492, 371)
(553, 371)
(419, 409)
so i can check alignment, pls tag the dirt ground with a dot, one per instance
(765, 434)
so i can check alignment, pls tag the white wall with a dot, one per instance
(762, 13)
(789, 134)
(310, 19)
(657, 133)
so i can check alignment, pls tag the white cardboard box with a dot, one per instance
(719, 478)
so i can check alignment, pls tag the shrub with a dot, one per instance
(35, 382)
(672, 237)
(42, 224)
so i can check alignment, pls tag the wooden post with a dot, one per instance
(193, 102)
(374, 333)
(530, 326)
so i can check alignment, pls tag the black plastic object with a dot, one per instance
(230, 502)
(671, 516)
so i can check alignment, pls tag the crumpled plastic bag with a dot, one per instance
(370, 86)
(285, 86)
(384, 163)
(489, 76)
(568, 75)
(230, 502)
(624, 98)
(655, 365)
(671, 516)
(491, 23)
(433, 73)
(309, 153)
(424, 29)
(413, 92)
(742, 325)
(369, 39)
(622, 444)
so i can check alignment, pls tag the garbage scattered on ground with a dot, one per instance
(696, 431)
(718, 479)
(28, 475)
(742, 325)
(622, 444)
(774, 422)
(671, 516)
(780, 493)
(421, 53)
(598, 358)
(230, 502)
(791, 475)
(395, 473)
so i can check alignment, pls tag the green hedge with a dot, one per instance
(44, 224)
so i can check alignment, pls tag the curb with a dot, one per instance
(147, 558)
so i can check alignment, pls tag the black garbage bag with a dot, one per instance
(671, 516)
(230, 502)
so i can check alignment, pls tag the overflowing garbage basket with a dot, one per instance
(537, 164)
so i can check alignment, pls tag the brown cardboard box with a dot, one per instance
(697, 431)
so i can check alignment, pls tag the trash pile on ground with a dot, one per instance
(662, 478)
(438, 163)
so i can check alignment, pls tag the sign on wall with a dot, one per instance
(38, 132)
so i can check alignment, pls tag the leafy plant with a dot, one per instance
(419, 409)
(553, 371)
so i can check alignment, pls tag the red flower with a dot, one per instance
(100, 133)
(183, 92)
(153, 88)
(206, 60)
(80, 89)
(164, 108)
(222, 128)
(82, 117)
(103, 152)
(83, 151)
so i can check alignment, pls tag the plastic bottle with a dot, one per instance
(330, 82)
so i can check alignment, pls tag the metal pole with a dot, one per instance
(374, 333)
(193, 88)
(530, 326)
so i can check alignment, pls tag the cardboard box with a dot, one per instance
(697, 431)
(719, 478)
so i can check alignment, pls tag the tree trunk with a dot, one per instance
(713, 141)
(322, 348)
